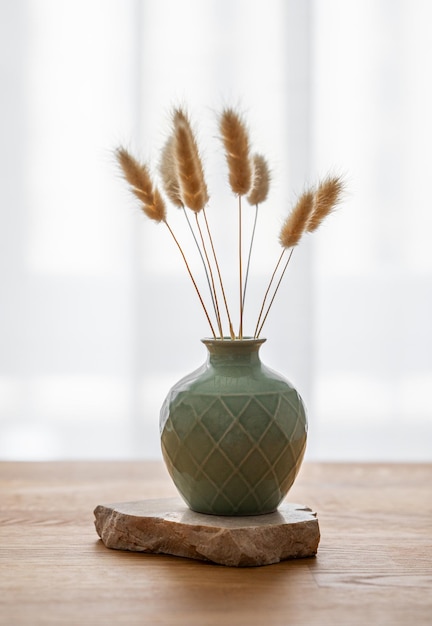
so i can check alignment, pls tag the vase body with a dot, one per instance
(233, 433)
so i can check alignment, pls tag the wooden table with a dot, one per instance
(374, 564)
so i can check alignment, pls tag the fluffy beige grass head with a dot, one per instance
(326, 198)
(261, 180)
(139, 179)
(296, 222)
(235, 138)
(169, 175)
(192, 185)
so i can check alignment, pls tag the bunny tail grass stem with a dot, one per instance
(240, 266)
(192, 278)
(231, 329)
(202, 259)
(267, 293)
(250, 254)
(218, 317)
(275, 292)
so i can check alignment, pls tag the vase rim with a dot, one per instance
(229, 341)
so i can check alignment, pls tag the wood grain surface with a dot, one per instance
(374, 564)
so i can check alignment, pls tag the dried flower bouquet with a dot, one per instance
(183, 181)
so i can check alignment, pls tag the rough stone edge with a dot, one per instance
(156, 535)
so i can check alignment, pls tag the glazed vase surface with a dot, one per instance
(233, 432)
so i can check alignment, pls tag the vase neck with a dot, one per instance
(233, 352)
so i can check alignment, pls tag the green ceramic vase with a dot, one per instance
(233, 432)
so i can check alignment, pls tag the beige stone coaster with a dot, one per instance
(168, 527)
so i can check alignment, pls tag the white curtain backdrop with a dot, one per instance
(97, 315)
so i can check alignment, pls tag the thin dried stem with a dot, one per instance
(139, 179)
(192, 278)
(258, 193)
(189, 167)
(326, 197)
(250, 255)
(291, 232)
(235, 138)
(240, 235)
(231, 329)
(170, 178)
(274, 294)
(206, 271)
(218, 317)
(267, 292)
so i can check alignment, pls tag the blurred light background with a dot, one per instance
(97, 315)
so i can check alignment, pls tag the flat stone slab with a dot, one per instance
(167, 526)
